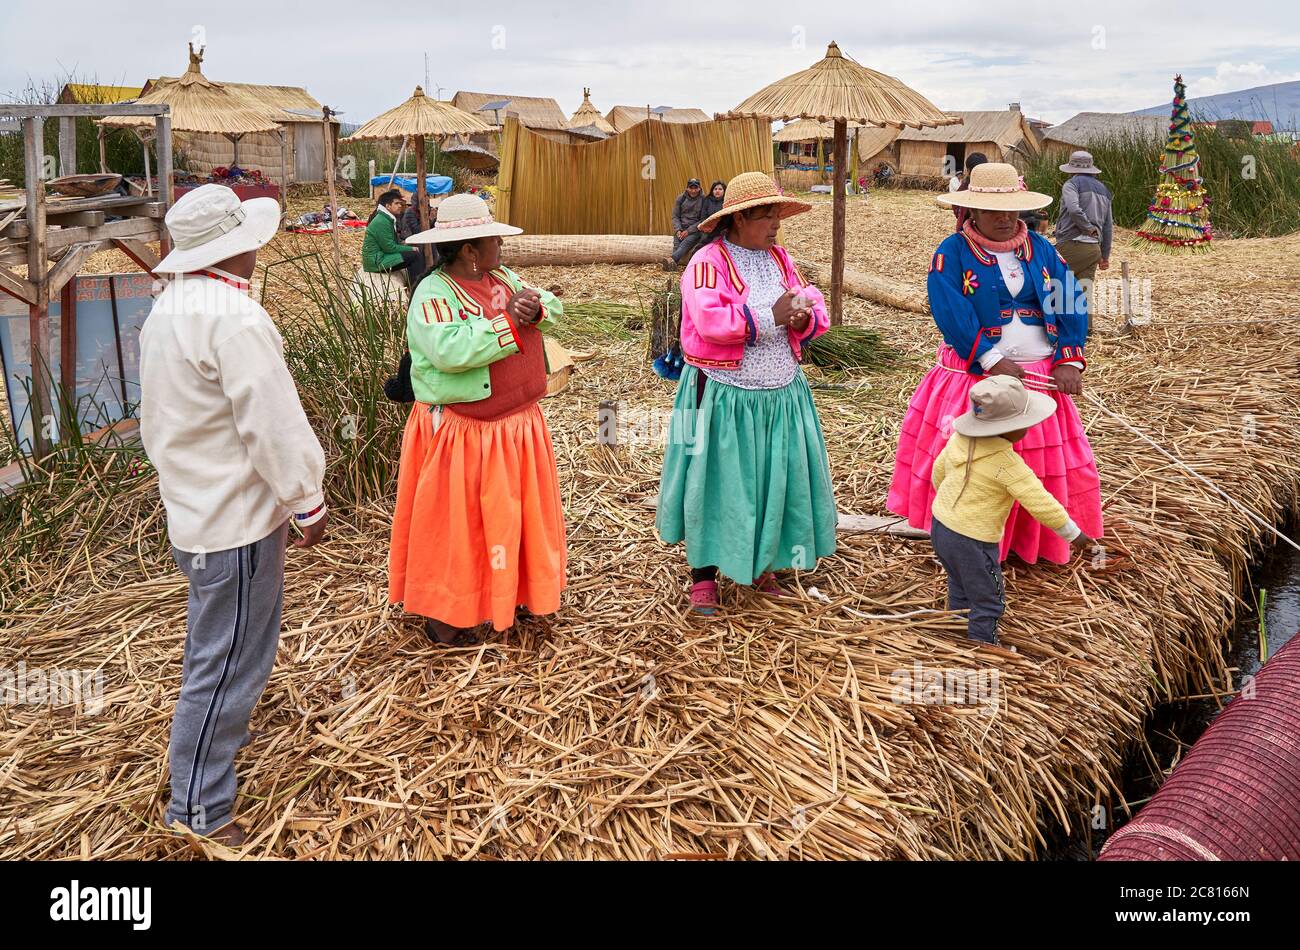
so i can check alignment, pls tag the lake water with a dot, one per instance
(1173, 727)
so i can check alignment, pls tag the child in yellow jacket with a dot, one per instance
(977, 477)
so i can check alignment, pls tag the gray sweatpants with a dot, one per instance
(232, 631)
(974, 579)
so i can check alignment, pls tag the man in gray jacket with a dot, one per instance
(688, 211)
(1084, 229)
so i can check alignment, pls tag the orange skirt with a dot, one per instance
(478, 530)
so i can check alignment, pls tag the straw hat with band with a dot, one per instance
(1001, 404)
(749, 190)
(210, 224)
(995, 186)
(463, 218)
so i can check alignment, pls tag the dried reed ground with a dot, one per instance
(769, 732)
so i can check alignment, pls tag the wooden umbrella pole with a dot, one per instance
(401, 154)
(422, 198)
(837, 222)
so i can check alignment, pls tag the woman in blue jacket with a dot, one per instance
(1006, 304)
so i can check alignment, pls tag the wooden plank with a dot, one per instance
(16, 286)
(837, 223)
(14, 252)
(139, 252)
(39, 320)
(67, 337)
(67, 268)
(67, 145)
(22, 110)
(75, 219)
(853, 524)
(166, 192)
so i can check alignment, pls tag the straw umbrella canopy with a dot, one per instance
(416, 118)
(838, 90)
(200, 105)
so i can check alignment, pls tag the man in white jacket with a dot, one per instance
(237, 461)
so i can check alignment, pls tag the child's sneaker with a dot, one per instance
(704, 598)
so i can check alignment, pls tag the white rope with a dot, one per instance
(1046, 383)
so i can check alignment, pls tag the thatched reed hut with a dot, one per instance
(92, 93)
(1003, 135)
(294, 110)
(1088, 128)
(535, 113)
(623, 118)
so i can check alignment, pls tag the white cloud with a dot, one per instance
(1230, 77)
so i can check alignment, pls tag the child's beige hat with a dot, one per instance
(1002, 404)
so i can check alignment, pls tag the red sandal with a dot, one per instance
(704, 598)
(767, 584)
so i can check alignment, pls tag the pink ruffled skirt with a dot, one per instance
(1057, 450)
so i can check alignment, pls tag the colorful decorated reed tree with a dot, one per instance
(1179, 215)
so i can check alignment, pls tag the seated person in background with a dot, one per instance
(381, 252)
(713, 200)
(409, 222)
(688, 212)
(963, 214)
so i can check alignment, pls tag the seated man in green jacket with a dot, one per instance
(381, 251)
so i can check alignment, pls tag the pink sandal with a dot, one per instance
(704, 598)
(766, 583)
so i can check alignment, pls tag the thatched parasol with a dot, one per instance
(841, 91)
(200, 105)
(417, 117)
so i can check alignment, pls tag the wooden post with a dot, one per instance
(39, 320)
(853, 159)
(103, 156)
(650, 150)
(162, 142)
(329, 184)
(837, 222)
(422, 199)
(68, 341)
(148, 177)
(284, 166)
(67, 145)
(1126, 298)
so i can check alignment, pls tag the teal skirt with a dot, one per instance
(746, 483)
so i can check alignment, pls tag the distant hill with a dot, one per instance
(1279, 102)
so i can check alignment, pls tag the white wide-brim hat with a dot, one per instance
(995, 186)
(1081, 163)
(463, 218)
(210, 224)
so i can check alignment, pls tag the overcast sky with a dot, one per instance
(1056, 58)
